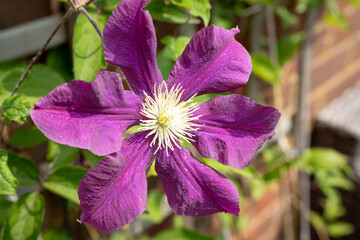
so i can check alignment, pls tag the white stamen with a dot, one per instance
(168, 119)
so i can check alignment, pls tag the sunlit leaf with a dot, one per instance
(88, 52)
(25, 218)
(8, 182)
(168, 12)
(15, 108)
(197, 8)
(340, 229)
(174, 46)
(264, 68)
(288, 45)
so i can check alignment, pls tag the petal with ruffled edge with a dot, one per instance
(233, 128)
(212, 62)
(130, 43)
(114, 192)
(194, 189)
(92, 115)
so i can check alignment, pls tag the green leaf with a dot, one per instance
(264, 69)
(39, 82)
(314, 159)
(317, 221)
(198, 8)
(288, 45)
(25, 218)
(60, 155)
(15, 108)
(8, 182)
(88, 47)
(287, 18)
(59, 59)
(340, 229)
(174, 46)
(337, 19)
(168, 13)
(180, 234)
(248, 172)
(92, 158)
(154, 211)
(54, 234)
(5, 206)
(23, 169)
(164, 64)
(65, 182)
(26, 137)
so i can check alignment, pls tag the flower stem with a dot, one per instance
(87, 15)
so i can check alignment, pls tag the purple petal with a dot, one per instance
(88, 115)
(233, 128)
(114, 192)
(130, 43)
(212, 62)
(194, 189)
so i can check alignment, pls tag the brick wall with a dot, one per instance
(335, 64)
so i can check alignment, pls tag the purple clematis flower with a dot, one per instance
(94, 116)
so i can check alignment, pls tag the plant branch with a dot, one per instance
(87, 15)
(42, 50)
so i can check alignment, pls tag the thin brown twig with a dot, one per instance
(88, 16)
(41, 51)
(71, 3)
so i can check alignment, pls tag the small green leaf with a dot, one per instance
(288, 45)
(8, 182)
(15, 108)
(198, 8)
(248, 172)
(23, 169)
(65, 182)
(340, 229)
(288, 19)
(174, 46)
(264, 69)
(25, 218)
(60, 155)
(88, 47)
(168, 13)
(26, 137)
(317, 221)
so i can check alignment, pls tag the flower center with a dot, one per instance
(168, 119)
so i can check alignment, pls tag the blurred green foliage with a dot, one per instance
(61, 174)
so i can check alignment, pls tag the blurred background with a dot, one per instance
(303, 184)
